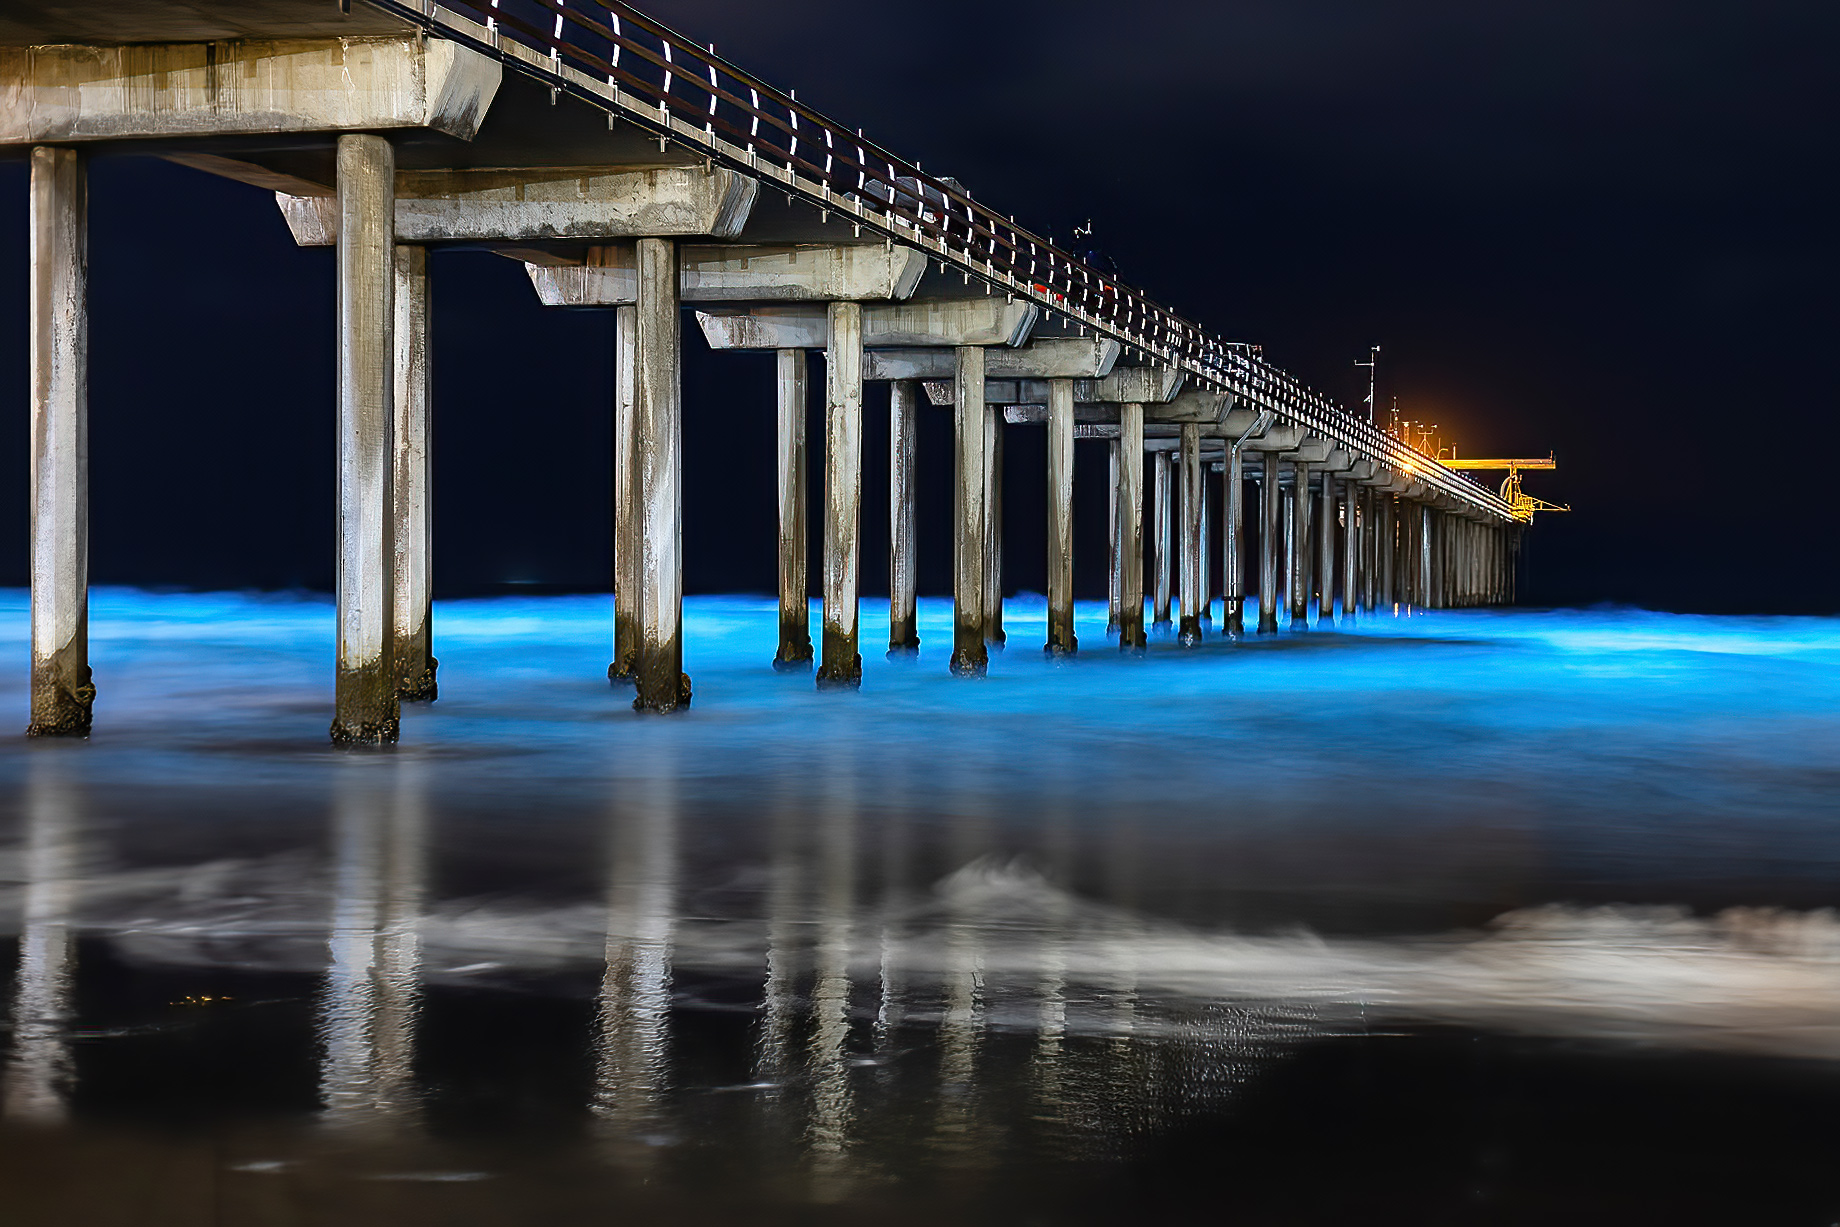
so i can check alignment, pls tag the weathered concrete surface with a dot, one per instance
(1131, 529)
(365, 705)
(1325, 560)
(1271, 502)
(253, 87)
(903, 529)
(662, 684)
(993, 529)
(1095, 399)
(969, 656)
(1297, 543)
(792, 390)
(948, 322)
(62, 692)
(1352, 534)
(1189, 545)
(413, 648)
(858, 273)
(28, 22)
(1232, 544)
(473, 206)
(1061, 638)
(1114, 555)
(841, 661)
(628, 510)
(1165, 535)
(1041, 359)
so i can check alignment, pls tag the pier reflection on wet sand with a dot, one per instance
(455, 984)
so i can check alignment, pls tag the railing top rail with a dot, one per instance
(615, 56)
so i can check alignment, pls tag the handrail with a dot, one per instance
(610, 54)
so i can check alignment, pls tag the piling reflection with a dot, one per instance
(372, 992)
(38, 1071)
(633, 1008)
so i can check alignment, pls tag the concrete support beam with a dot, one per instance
(1232, 544)
(1352, 533)
(1299, 545)
(413, 648)
(1115, 555)
(969, 656)
(365, 706)
(1325, 559)
(508, 206)
(658, 420)
(628, 510)
(794, 607)
(1131, 528)
(903, 530)
(1046, 358)
(993, 527)
(1271, 531)
(255, 87)
(948, 322)
(62, 693)
(1189, 547)
(841, 662)
(1165, 538)
(807, 272)
(1061, 638)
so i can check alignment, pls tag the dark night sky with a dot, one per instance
(1603, 229)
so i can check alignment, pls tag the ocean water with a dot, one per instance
(1485, 916)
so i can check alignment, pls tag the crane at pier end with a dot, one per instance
(1522, 503)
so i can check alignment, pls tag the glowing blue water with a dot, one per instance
(1473, 760)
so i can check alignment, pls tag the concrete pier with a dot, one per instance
(1115, 554)
(62, 693)
(627, 517)
(1389, 554)
(993, 527)
(969, 656)
(841, 662)
(794, 609)
(1060, 517)
(1325, 553)
(1206, 608)
(413, 646)
(1131, 527)
(1165, 540)
(1189, 547)
(1232, 547)
(366, 709)
(1427, 576)
(903, 532)
(1299, 541)
(1353, 532)
(658, 424)
(1270, 534)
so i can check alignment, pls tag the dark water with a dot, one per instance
(1503, 917)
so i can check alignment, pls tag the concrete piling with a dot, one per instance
(794, 609)
(1232, 550)
(1352, 532)
(1115, 569)
(1325, 557)
(993, 527)
(1298, 543)
(1189, 629)
(841, 663)
(1131, 527)
(627, 518)
(1207, 544)
(62, 692)
(413, 648)
(1426, 578)
(1060, 517)
(366, 710)
(903, 588)
(969, 655)
(1271, 513)
(1165, 532)
(662, 684)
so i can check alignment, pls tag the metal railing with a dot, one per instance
(610, 54)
